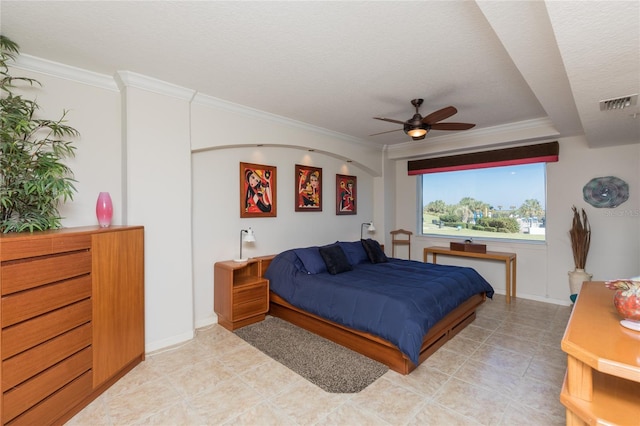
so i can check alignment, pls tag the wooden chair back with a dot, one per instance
(400, 237)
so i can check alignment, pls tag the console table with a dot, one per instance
(509, 260)
(602, 384)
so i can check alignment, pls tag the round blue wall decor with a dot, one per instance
(606, 192)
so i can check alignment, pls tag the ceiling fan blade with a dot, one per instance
(382, 133)
(452, 126)
(390, 120)
(439, 115)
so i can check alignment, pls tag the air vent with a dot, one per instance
(619, 103)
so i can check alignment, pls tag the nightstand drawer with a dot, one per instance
(246, 293)
(249, 309)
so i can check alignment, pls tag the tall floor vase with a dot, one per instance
(576, 278)
(104, 210)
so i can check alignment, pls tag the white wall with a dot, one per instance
(615, 233)
(542, 268)
(93, 105)
(158, 195)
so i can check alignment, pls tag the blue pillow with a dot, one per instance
(311, 259)
(354, 251)
(374, 251)
(335, 259)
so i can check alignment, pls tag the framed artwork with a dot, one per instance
(257, 190)
(308, 189)
(346, 194)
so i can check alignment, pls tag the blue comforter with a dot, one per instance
(399, 300)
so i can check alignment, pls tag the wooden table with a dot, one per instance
(509, 260)
(602, 384)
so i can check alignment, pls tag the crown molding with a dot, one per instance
(213, 102)
(131, 79)
(67, 72)
(538, 129)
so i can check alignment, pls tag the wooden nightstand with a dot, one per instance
(240, 293)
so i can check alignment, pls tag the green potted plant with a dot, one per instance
(33, 178)
(580, 234)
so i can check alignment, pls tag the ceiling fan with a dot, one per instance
(417, 126)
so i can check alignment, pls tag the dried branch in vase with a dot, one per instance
(580, 234)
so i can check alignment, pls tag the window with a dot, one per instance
(498, 202)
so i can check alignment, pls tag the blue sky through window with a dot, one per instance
(498, 186)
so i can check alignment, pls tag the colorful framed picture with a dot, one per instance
(257, 190)
(308, 189)
(346, 194)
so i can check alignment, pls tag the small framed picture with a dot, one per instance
(308, 189)
(346, 194)
(257, 190)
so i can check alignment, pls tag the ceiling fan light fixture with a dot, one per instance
(417, 126)
(417, 132)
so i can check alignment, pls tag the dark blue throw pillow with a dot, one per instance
(335, 259)
(354, 251)
(311, 259)
(374, 251)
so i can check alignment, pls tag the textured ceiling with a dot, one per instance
(336, 65)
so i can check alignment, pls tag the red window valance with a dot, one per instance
(540, 153)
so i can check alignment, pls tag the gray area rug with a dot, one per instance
(328, 365)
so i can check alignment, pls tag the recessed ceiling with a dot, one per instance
(336, 65)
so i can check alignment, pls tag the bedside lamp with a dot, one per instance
(370, 229)
(246, 236)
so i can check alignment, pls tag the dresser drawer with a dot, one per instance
(52, 408)
(21, 306)
(34, 390)
(30, 333)
(23, 275)
(27, 364)
(33, 245)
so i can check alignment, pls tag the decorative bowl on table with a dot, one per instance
(627, 301)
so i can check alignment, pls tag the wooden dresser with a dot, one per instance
(602, 384)
(72, 318)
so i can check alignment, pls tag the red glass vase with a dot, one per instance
(104, 210)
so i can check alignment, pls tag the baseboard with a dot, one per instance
(206, 322)
(171, 341)
(538, 298)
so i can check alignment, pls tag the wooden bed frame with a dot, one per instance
(372, 346)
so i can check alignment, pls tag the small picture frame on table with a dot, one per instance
(308, 189)
(346, 194)
(257, 190)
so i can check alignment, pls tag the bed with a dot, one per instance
(395, 311)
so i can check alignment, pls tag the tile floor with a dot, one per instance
(506, 368)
